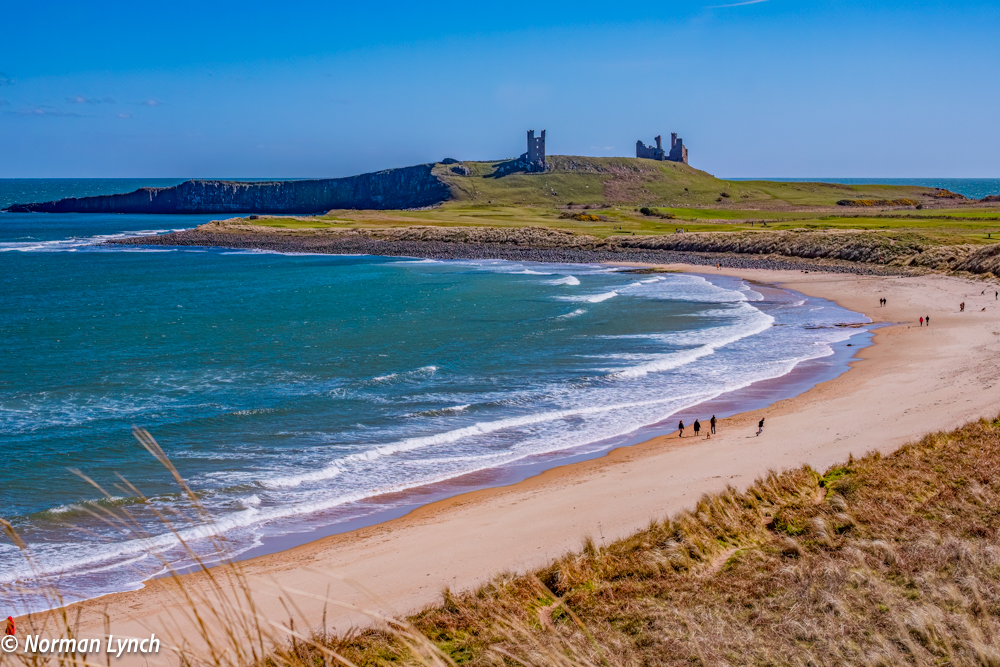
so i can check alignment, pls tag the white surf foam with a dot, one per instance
(76, 243)
(589, 298)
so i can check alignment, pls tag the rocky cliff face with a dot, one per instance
(409, 187)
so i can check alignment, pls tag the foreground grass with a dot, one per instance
(883, 560)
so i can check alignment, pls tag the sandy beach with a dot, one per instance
(913, 380)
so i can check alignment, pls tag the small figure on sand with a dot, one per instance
(961, 307)
(927, 320)
(996, 296)
(760, 426)
(921, 320)
(697, 428)
(712, 423)
(680, 427)
(10, 626)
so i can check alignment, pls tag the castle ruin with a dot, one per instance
(678, 151)
(535, 157)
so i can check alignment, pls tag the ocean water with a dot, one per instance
(296, 391)
(973, 188)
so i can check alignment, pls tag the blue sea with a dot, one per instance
(299, 394)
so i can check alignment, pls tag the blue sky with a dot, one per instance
(299, 89)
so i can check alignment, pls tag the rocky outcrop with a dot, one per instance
(857, 251)
(524, 244)
(408, 187)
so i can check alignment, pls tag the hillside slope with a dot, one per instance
(639, 182)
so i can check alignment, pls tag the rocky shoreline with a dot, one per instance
(549, 247)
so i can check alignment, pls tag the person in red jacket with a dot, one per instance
(10, 626)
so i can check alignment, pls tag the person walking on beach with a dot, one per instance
(680, 427)
(760, 426)
(928, 320)
(697, 428)
(10, 626)
(712, 424)
(961, 307)
(921, 320)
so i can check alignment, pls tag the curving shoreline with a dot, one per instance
(913, 380)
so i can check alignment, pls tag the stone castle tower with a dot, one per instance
(536, 151)
(678, 151)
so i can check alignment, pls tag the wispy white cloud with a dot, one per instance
(737, 4)
(46, 111)
(124, 115)
(80, 99)
(151, 103)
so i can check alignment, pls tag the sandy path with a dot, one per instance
(912, 381)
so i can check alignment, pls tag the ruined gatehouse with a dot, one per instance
(678, 151)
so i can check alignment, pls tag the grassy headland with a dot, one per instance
(635, 203)
(882, 560)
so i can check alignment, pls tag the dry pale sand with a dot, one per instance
(912, 381)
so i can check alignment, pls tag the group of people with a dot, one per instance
(712, 422)
(926, 320)
(697, 427)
